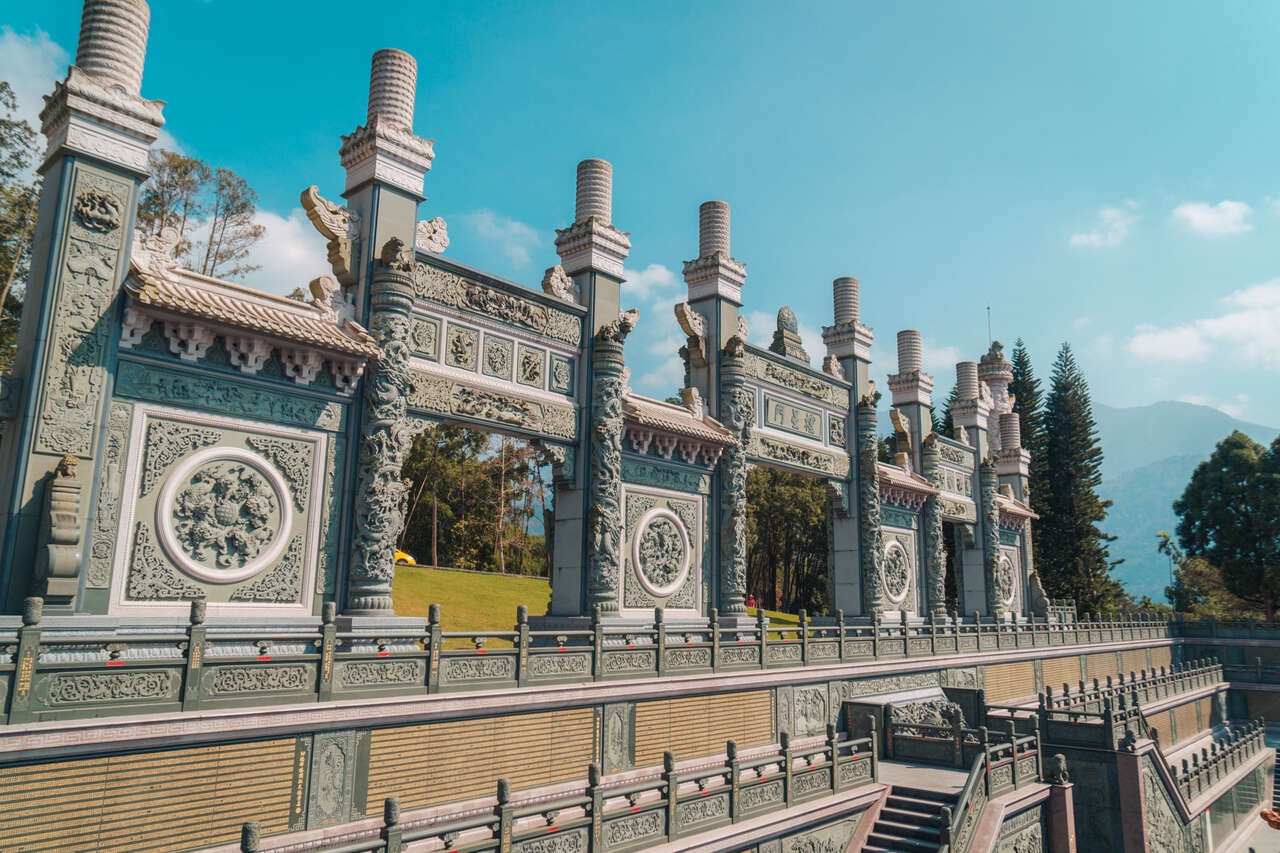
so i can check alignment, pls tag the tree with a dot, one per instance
(787, 540)
(19, 203)
(174, 197)
(1028, 403)
(946, 424)
(1229, 515)
(1073, 561)
(232, 231)
(1197, 587)
(439, 464)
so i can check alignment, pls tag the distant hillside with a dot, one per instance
(1149, 454)
(1135, 437)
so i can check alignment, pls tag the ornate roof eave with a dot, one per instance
(672, 429)
(904, 479)
(1015, 507)
(191, 296)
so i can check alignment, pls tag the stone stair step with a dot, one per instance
(903, 844)
(911, 804)
(941, 797)
(897, 815)
(908, 830)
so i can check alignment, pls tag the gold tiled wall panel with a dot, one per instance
(1134, 660)
(1009, 680)
(1206, 712)
(700, 725)
(1161, 723)
(439, 762)
(1264, 705)
(1185, 719)
(1101, 665)
(1161, 656)
(171, 800)
(1060, 670)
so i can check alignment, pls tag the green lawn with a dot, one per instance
(471, 601)
(468, 601)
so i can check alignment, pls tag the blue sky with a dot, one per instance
(1100, 173)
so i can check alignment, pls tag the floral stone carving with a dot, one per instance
(1004, 580)
(897, 572)
(661, 552)
(227, 512)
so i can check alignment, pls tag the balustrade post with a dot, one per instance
(957, 737)
(933, 632)
(875, 747)
(597, 645)
(596, 791)
(833, 745)
(250, 837)
(762, 627)
(945, 830)
(328, 643)
(715, 639)
(1035, 733)
(27, 659)
(1257, 662)
(195, 655)
(660, 627)
(840, 634)
(804, 636)
(906, 634)
(735, 778)
(522, 645)
(1013, 749)
(785, 741)
(435, 641)
(875, 635)
(984, 738)
(505, 813)
(672, 780)
(392, 832)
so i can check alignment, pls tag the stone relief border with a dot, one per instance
(252, 602)
(638, 502)
(765, 370)
(502, 408)
(447, 288)
(769, 448)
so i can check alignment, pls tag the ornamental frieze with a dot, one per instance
(438, 394)
(444, 287)
(836, 465)
(259, 679)
(111, 686)
(958, 510)
(479, 669)
(381, 673)
(788, 377)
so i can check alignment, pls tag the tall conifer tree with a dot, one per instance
(1073, 560)
(1029, 404)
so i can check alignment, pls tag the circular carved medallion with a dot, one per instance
(897, 572)
(660, 552)
(1004, 580)
(223, 514)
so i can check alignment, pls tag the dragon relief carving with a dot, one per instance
(869, 502)
(339, 226)
(737, 413)
(605, 531)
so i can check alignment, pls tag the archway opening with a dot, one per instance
(787, 541)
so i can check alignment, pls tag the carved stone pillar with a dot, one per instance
(869, 506)
(935, 554)
(604, 544)
(385, 436)
(996, 591)
(737, 413)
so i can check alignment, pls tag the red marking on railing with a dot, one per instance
(560, 649)
(264, 657)
(552, 828)
(688, 644)
(636, 809)
(630, 646)
(480, 651)
(115, 663)
(703, 793)
(383, 654)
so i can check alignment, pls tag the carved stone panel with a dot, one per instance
(212, 507)
(447, 288)
(499, 357)
(333, 775)
(619, 737)
(106, 524)
(663, 549)
(833, 838)
(1023, 833)
(424, 336)
(438, 394)
(531, 367)
(560, 378)
(461, 347)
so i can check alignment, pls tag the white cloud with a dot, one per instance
(648, 282)
(1249, 333)
(30, 64)
(513, 238)
(667, 377)
(1112, 228)
(761, 326)
(291, 253)
(168, 142)
(1235, 407)
(1214, 220)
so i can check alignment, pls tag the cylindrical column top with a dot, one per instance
(967, 380)
(113, 42)
(1010, 430)
(845, 292)
(393, 82)
(713, 229)
(910, 351)
(595, 191)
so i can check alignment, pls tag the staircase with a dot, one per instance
(910, 821)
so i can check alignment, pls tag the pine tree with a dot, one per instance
(1029, 404)
(1073, 560)
(946, 424)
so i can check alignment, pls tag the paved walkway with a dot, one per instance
(931, 777)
